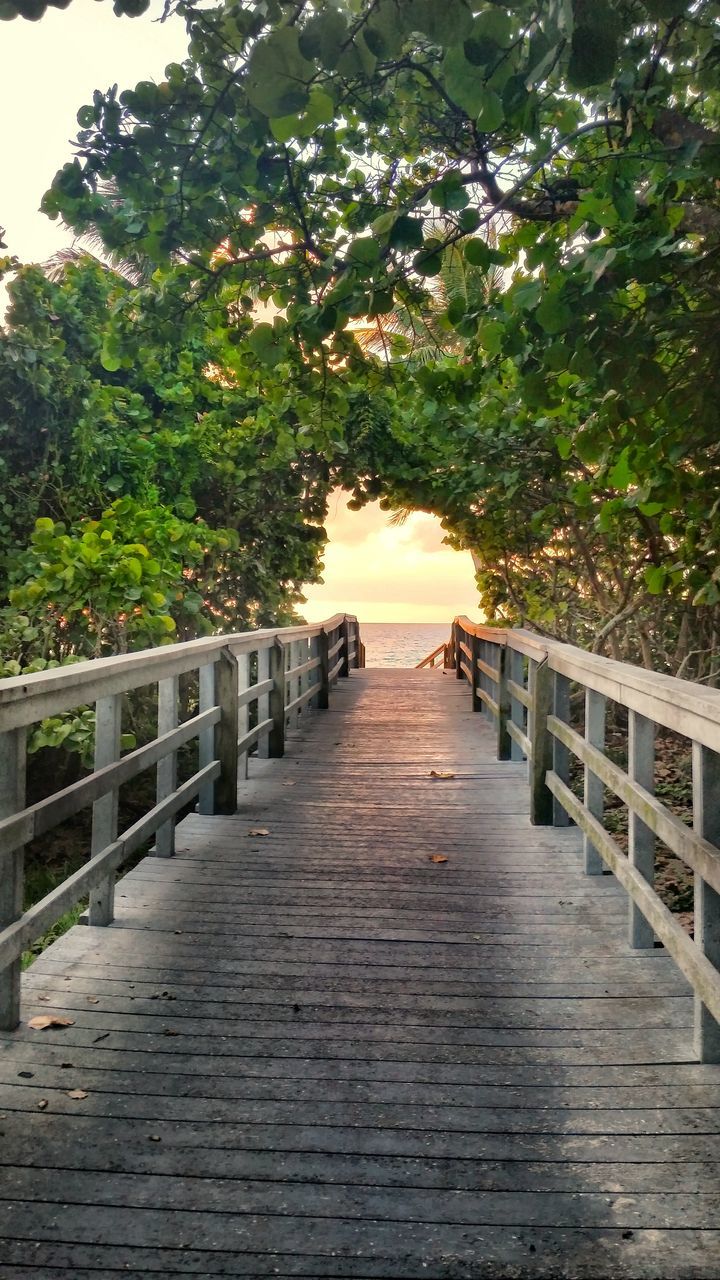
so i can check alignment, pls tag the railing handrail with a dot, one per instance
(68, 686)
(429, 660)
(670, 701)
(523, 682)
(295, 668)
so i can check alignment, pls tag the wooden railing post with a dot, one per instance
(291, 682)
(595, 707)
(560, 753)
(358, 646)
(276, 739)
(706, 821)
(504, 741)
(167, 720)
(323, 693)
(12, 866)
(108, 714)
(541, 798)
(477, 702)
(263, 702)
(517, 710)
(345, 651)
(314, 676)
(641, 841)
(459, 633)
(206, 745)
(243, 683)
(225, 799)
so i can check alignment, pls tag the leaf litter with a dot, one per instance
(44, 1020)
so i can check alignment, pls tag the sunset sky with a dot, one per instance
(48, 69)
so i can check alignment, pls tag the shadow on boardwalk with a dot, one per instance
(316, 1053)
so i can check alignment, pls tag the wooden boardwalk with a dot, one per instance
(316, 1053)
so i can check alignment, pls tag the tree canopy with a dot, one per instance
(333, 159)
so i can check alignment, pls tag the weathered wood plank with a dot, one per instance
(317, 1053)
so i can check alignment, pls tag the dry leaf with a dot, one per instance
(441, 774)
(169, 1032)
(153, 1137)
(43, 999)
(259, 831)
(45, 1020)
(77, 1094)
(42, 1104)
(92, 999)
(438, 857)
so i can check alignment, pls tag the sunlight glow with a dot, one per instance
(387, 573)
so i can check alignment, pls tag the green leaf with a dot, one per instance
(456, 311)
(449, 194)
(406, 233)
(469, 220)
(320, 110)
(285, 127)
(446, 23)
(491, 336)
(655, 577)
(491, 113)
(563, 444)
(428, 264)
(324, 37)
(553, 314)
(109, 356)
(594, 48)
(478, 254)
(277, 74)
(621, 475)
(364, 252)
(464, 83)
(262, 342)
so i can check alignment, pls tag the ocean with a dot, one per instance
(401, 644)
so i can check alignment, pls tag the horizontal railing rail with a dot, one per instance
(522, 683)
(434, 658)
(271, 678)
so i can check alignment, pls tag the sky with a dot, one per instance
(48, 70)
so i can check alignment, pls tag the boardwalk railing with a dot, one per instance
(434, 659)
(523, 684)
(293, 669)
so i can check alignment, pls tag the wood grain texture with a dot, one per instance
(318, 1053)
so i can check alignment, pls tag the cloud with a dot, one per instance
(390, 573)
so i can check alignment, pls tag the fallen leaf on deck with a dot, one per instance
(45, 1020)
(153, 1137)
(441, 774)
(43, 999)
(169, 1032)
(92, 999)
(259, 831)
(438, 857)
(77, 1094)
(42, 1104)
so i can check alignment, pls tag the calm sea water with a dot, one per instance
(401, 644)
